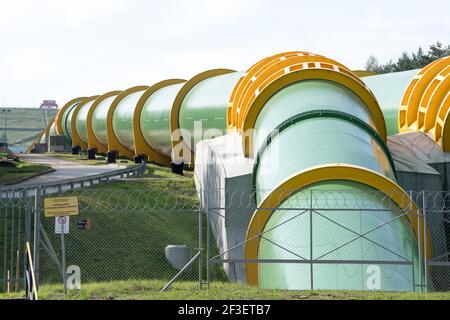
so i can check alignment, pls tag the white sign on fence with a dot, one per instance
(62, 224)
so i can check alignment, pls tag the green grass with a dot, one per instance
(131, 227)
(21, 172)
(82, 159)
(133, 222)
(149, 290)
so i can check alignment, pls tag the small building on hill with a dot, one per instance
(48, 104)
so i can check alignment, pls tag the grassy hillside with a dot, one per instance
(24, 124)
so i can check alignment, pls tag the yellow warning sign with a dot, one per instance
(56, 207)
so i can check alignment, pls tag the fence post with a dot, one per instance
(5, 242)
(28, 208)
(208, 239)
(425, 241)
(419, 245)
(11, 249)
(200, 248)
(311, 239)
(37, 233)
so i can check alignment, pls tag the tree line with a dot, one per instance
(415, 60)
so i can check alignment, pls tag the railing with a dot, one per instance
(30, 286)
(74, 183)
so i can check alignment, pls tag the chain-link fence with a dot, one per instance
(313, 239)
(122, 235)
(436, 216)
(329, 239)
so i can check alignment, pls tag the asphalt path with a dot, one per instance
(63, 169)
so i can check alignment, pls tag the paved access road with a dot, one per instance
(64, 169)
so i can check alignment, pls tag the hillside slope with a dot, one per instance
(24, 124)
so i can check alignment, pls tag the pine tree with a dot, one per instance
(409, 62)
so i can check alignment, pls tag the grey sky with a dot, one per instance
(59, 49)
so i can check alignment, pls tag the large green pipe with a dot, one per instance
(292, 229)
(49, 131)
(122, 120)
(389, 89)
(318, 129)
(81, 121)
(52, 131)
(155, 118)
(204, 108)
(66, 121)
(99, 120)
(334, 126)
(332, 123)
(43, 138)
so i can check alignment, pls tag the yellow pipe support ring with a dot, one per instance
(314, 175)
(244, 81)
(59, 115)
(258, 76)
(93, 142)
(416, 100)
(176, 107)
(76, 139)
(141, 146)
(432, 100)
(262, 73)
(445, 139)
(113, 142)
(270, 75)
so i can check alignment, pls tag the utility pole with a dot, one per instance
(5, 139)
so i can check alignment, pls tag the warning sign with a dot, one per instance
(62, 225)
(57, 207)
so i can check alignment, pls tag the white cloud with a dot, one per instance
(374, 18)
(60, 49)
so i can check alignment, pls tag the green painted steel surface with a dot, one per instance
(389, 89)
(67, 124)
(318, 141)
(308, 143)
(66, 121)
(155, 118)
(123, 119)
(43, 138)
(307, 96)
(52, 131)
(99, 120)
(203, 113)
(335, 237)
(81, 123)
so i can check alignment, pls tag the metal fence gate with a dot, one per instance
(345, 249)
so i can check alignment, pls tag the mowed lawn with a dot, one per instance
(149, 290)
(20, 172)
(82, 158)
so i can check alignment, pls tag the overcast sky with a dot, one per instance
(59, 49)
